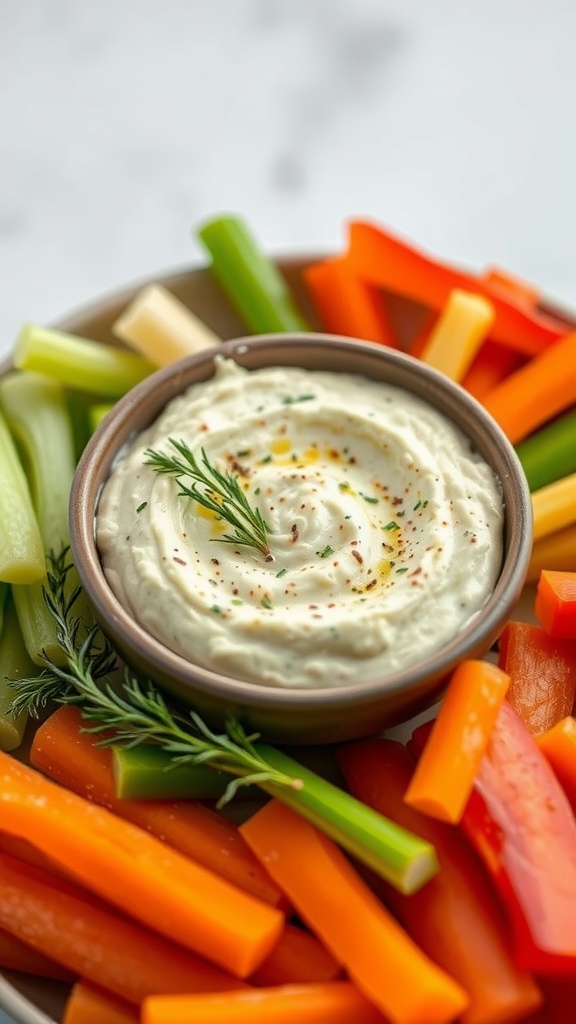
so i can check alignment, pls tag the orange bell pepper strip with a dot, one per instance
(555, 604)
(522, 826)
(455, 918)
(542, 672)
(380, 958)
(382, 259)
(445, 773)
(535, 393)
(346, 304)
(512, 287)
(89, 1004)
(558, 745)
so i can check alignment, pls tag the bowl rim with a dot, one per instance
(102, 449)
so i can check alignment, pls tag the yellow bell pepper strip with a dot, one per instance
(522, 826)
(558, 745)
(555, 604)
(444, 776)
(251, 281)
(542, 671)
(389, 262)
(161, 328)
(556, 551)
(554, 506)
(346, 304)
(459, 332)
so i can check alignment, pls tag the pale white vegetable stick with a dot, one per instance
(162, 328)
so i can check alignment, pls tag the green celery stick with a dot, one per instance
(79, 363)
(21, 549)
(403, 859)
(97, 412)
(146, 772)
(14, 664)
(4, 594)
(249, 279)
(36, 412)
(550, 453)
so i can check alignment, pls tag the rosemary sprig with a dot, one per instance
(217, 491)
(135, 712)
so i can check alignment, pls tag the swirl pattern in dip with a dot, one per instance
(385, 529)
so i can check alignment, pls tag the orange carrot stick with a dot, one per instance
(298, 957)
(455, 918)
(558, 745)
(337, 1002)
(138, 873)
(16, 955)
(444, 776)
(62, 921)
(538, 391)
(88, 1004)
(337, 904)
(61, 750)
(346, 304)
(493, 364)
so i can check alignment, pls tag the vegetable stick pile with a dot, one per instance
(437, 882)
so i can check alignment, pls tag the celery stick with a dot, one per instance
(78, 362)
(97, 412)
(4, 594)
(14, 664)
(250, 280)
(403, 859)
(37, 414)
(146, 772)
(550, 453)
(21, 549)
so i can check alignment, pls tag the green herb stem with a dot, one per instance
(78, 362)
(251, 282)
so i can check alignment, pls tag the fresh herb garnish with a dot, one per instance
(142, 506)
(369, 498)
(266, 602)
(391, 526)
(326, 552)
(293, 399)
(219, 492)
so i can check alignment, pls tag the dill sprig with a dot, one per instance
(133, 711)
(214, 490)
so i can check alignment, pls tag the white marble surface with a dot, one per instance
(124, 123)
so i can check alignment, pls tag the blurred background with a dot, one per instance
(125, 123)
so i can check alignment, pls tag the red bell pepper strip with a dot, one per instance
(493, 364)
(558, 745)
(382, 259)
(542, 671)
(521, 824)
(455, 918)
(555, 605)
(346, 304)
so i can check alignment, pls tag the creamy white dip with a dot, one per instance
(385, 529)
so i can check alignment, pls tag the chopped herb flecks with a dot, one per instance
(142, 506)
(391, 526)
(326, 552)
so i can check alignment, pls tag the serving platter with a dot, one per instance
(34, 1001)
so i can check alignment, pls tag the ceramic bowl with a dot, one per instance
(293, 715)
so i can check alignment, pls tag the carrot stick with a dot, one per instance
(337, 1002)
(455, 919)
(298, 957)
(16, 955)
(346, 304)
(458, 333)
(558, 745)
(138, 873)
(555, 604)
(62, 921)
(539, 390)
(61, 750)
(556, 551)
(387, 261)
(88, 1004)
(378, 955)
(444, 776)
